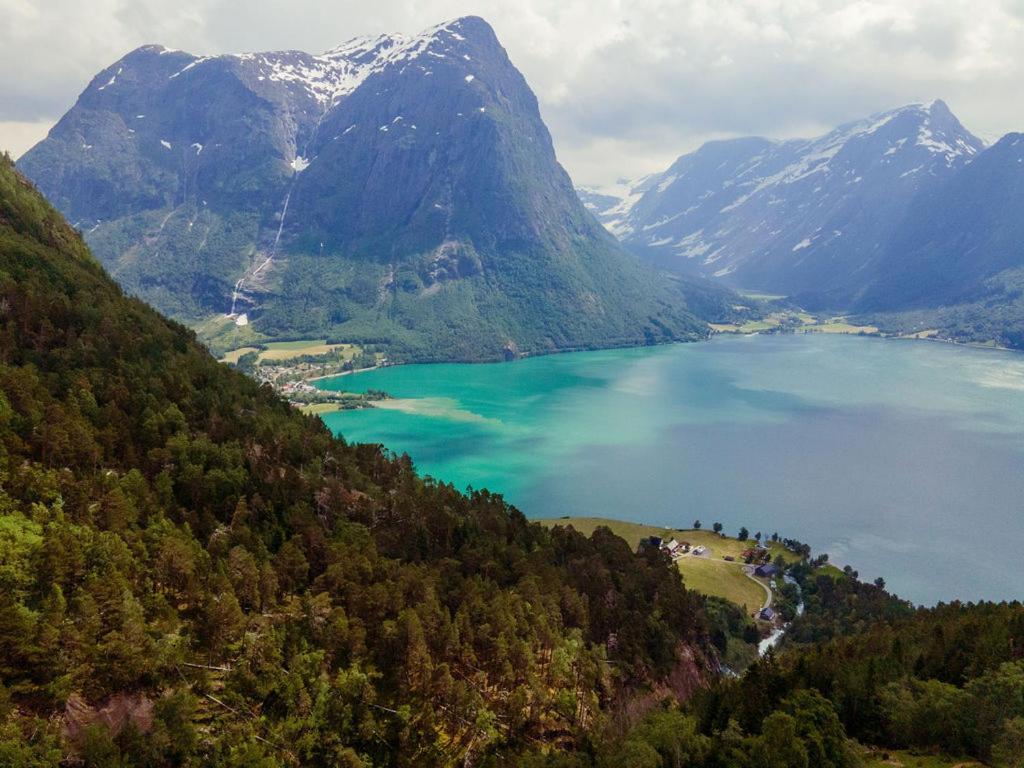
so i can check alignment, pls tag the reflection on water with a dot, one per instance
(902, 459)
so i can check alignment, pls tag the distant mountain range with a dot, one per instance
(904, 214)
(394, 190)
(796, 216)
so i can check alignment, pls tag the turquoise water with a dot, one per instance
(903, 459)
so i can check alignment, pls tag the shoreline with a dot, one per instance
(979, 346)
(354, 370)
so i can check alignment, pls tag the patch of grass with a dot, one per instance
(295, 344)
(282, 351)
(213, 324)
(800, 322)
(831, 571)
(233, 356)
(278, 351)
(318, 408)
(838, 325)
(739, 655)
(221, 335)
(721, 579)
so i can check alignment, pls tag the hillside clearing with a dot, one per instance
(709, 574)
(283, 351)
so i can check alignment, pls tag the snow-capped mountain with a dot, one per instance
(961, 243)
(798, 217)
(396, 189)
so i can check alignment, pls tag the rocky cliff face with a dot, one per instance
(392, 189)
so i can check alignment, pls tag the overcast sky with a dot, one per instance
(625, 87)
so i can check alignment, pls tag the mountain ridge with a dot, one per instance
(392, 190)
(769, 214)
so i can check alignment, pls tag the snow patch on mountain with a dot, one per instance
(337, 72)
(112, 80)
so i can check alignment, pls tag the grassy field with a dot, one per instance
(233, 356)
(837, 325)
(282, 351)
(318, 408)
(898, 759)
(722, 579)
(279, 351)
(220, 334)
(710, 575)
(800, 322)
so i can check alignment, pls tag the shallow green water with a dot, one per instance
(904, 459)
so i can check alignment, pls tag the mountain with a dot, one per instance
(805, 217)
(956, 261)
(194, 573)
(398, 190)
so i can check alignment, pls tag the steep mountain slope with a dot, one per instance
(808, 218)
(957, 258)
(193, 573)
(393, 189)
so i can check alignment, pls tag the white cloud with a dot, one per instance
(624, 86)
(16, 137)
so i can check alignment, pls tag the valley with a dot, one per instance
(340, 427)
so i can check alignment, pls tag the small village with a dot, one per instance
(755, 562)
(292, 367)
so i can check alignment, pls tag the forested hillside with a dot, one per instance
(194, 573)
(880, 681)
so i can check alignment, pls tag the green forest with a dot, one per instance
(194, 573)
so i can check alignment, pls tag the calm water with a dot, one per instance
(903, 459)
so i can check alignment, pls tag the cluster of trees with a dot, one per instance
(838, 605)
(178, 544)
(945, 680)
(997, 315)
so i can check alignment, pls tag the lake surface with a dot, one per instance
(902, 459)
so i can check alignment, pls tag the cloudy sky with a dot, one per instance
(625, 87)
